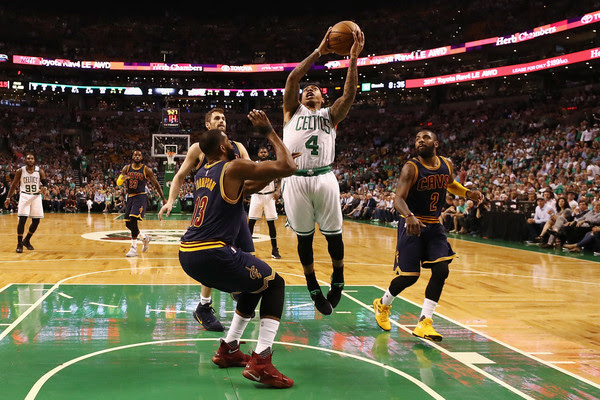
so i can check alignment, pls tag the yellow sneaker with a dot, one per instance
(425, 330)
(382, 314)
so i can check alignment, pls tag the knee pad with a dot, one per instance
(305, 249)
(272, 298)
(34, 224)
(401, 282)
(335, 246)
(440, 271)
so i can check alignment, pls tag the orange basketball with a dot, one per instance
(340, 39)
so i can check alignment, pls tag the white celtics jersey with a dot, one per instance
(30, 182)
(311, 133)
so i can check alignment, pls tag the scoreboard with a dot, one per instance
(171, 118)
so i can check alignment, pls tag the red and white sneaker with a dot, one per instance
(230, 356)
(261, 369)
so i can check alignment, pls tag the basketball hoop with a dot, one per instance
(170, 157)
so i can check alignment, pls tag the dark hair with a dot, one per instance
(210, 141)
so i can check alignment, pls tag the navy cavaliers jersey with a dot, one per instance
(236, 149)
(216, 217)
(136, 184)
(427, 195)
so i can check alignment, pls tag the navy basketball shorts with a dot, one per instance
(227, 268)
(414, 252)
(135, 207)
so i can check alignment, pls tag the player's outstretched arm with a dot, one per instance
(292, 84)
(191, 158)
(406, 180)
(341, 107)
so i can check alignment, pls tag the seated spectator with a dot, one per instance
(448, 212)
(459, 215)
(576, 229)
(563, 213)
(590, 241)
(540, 217)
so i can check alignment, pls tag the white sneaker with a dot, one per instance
(132, 252)
(146, 240)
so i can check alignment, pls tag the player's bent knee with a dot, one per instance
(440, 271)
(273, 296)
(305, 249)
(401, 282)
(335, 246)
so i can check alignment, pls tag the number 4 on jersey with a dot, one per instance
(313, 145)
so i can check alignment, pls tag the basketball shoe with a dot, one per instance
(425, 330)
(205, 315)
(132, 252)
(382, 314)
(19, 248)
(27, 245)
(275, 253)
(261, 369)
(146, 241)
(230, 355)
(335, 293)
(321, 303)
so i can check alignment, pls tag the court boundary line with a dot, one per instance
(447, 352)
(37, 386)
(6, 331)
(572, 375)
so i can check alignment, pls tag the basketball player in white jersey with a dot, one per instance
(30, 179)
(312, 195)
(263, 201)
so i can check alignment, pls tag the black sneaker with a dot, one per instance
(275, 254)
(19, 248)
(335, 293)
(28, 246)
(205, 315)
(321, 303)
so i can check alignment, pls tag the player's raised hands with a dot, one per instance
(260, 121)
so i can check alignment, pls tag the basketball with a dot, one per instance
(340, 39)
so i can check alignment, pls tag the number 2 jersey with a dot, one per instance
(427, 195)
(311, 132)
(216, 219)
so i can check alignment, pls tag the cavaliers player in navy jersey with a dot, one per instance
(422, 242)
(194, 160)
(135, 176)
(208, 254)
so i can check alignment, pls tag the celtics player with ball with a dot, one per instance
(311, 196)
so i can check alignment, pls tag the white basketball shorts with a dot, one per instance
(310, 200)
(30, 205)
(262, 203)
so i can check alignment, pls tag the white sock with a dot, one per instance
(142, 235)
(266, 334)
(236, 330)
(428, 308)
(205, 300)
(387, 298)
(133, 242)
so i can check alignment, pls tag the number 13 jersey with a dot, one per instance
(311, 133)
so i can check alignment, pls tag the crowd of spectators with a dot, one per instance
(526, 157)
(530, 147)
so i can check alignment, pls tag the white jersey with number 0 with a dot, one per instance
(311, 133)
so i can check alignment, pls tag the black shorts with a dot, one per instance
(136, 206)
(226, 268)
(414, 252)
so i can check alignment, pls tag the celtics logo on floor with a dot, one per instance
(159, 236)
